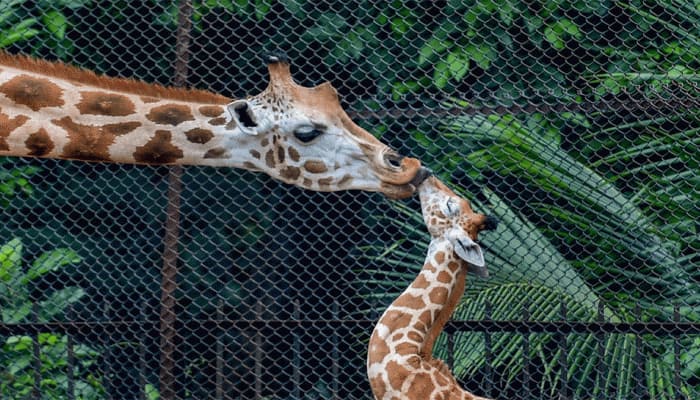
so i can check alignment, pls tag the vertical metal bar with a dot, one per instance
(258, 353)
(488, 356)
(450, 351)
(219, 353)
(108, 353)
(526, 357)
(70, 362)
(677, 357)
(563, 354)
(600, 364)
(36, 361)
(335, 366)
(142, 350)
(172, 224)
(296, 356)
(638, 358)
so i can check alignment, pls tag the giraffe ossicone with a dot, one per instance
(400, 365)
(295, 134)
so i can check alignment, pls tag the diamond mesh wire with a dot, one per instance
(575, 123)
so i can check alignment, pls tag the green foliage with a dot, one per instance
(43, 21)
(17, 361)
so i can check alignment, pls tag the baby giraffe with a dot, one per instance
(400, 364)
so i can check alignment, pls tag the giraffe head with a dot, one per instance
(306, 138)
(452, 223)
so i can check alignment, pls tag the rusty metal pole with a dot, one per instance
(168, 317)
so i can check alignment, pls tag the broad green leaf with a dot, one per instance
(51, 261)
(56, 23)
(441, 74)
(58, 302)
(10, 260)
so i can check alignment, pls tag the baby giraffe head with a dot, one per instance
(452, 223)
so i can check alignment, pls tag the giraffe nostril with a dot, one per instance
(491, 223)
(394, 160)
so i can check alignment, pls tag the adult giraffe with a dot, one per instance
(295, 134)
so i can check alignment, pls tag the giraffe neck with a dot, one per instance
(413, 321)
(91, 118)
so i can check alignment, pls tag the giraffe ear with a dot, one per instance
(469, 251)
(243, 114)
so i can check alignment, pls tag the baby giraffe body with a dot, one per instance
(400, 364)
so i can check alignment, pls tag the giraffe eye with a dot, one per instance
(450, 208)
(307, 133)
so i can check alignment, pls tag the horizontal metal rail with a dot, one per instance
(578, 327)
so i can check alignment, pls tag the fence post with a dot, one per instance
(172, 223)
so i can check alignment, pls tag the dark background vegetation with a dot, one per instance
(575, 122)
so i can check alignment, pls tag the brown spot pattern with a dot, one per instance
(345, 180)
(158, 150)
(325, 183)
(211, 111)
(440, 257)
(438, 295)
(379, 348)
(396, 319)
(378, 386)
(250, 166)
(34, 93)
(290, 173)
(270, 159)
(406, 348)
(217, 121)
(170, 114)
(217, 152)
(199, 135)
(420, 282)
(90, 142)
(101, 103)
(7, 126)
(444, 277)
(315, 167)
(255, 154)
(280, 154)
(397, 374)
(421, 387)
(415, 336)
(39, 143)
(293, 153)
(409, 301)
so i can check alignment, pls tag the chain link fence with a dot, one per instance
(576, 123)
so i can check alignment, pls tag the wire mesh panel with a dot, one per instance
(575, 123)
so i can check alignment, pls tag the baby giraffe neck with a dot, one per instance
(411, 324)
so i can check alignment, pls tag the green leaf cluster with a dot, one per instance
(18, 363)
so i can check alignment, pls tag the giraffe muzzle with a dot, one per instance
(422, 174)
